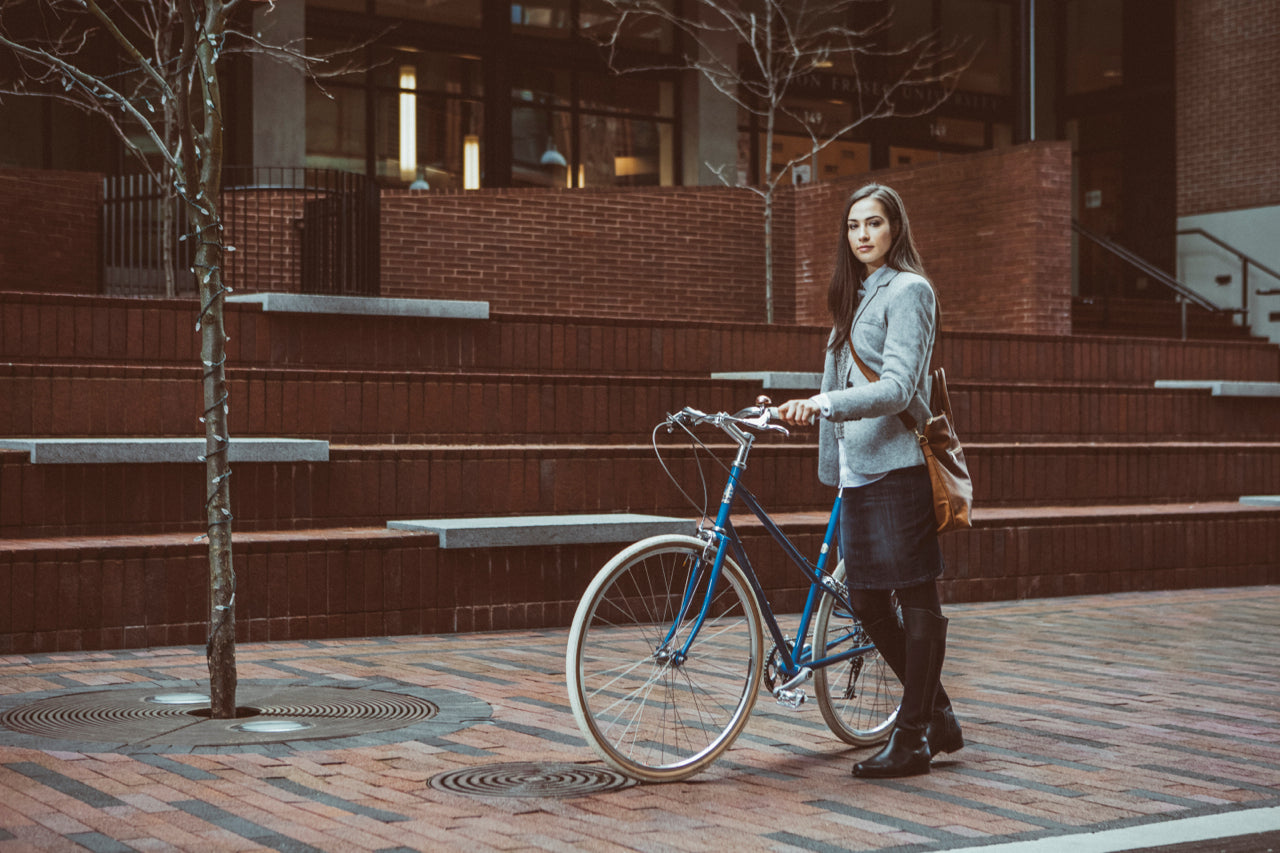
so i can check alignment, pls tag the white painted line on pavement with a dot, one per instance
(1203, 828)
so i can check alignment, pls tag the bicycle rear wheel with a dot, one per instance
(858, 697)
(644, 709)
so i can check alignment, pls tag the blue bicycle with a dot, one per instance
(666, 652)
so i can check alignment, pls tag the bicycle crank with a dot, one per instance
(790, 695)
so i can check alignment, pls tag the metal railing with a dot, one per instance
(294, 230)
(1245, 262)
(142, 254)
(1184, 295)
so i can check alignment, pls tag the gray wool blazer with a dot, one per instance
(893, 332)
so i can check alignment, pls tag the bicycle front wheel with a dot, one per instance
(858, 697)
(646, 708)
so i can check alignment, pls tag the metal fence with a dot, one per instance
(293, 230)
(142, 254)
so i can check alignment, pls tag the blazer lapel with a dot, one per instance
(875, 284)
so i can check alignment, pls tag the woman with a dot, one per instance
(882, 304)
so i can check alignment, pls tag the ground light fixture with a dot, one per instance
(179, 699)
(271, 726)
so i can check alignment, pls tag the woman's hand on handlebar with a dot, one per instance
(799, 412)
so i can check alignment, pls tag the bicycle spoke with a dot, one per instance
(646, 707)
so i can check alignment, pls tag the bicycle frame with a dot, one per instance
(793, 659)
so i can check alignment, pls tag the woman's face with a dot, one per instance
(870, 234)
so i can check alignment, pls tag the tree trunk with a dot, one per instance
(205, 148)
(221, 650)
(768, 182)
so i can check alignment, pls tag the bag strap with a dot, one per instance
(940, 400)
(907, 421)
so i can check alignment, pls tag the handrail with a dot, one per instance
(1149, 269)
(1245, 260)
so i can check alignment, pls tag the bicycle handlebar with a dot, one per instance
(759, 417)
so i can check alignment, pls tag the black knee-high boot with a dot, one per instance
(907, 752)
(891, 641)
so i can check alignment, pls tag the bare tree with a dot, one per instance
(149, 69)
(764, 55)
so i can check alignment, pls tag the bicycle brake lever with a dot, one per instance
(762, 420)
(689, 414)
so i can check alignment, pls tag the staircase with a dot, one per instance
(1161, 318)
(1088, 478)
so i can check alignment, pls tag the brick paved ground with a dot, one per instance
(1080, 713)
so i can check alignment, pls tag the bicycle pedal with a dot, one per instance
(792, 699)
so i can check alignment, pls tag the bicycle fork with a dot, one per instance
(664, 653)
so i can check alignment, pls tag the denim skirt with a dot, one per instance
(888, 531)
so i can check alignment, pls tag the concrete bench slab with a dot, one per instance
(80, 451)
(302, 303)
(532, 530)
(790, 381)
(1261, 500)
(1223, 389)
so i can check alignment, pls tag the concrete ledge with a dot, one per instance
(1223, 389)
(79, 451)
(532, 530)
(302, 303)
(776, 379)
(1261, 500)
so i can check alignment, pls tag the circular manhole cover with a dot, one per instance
(524, 779)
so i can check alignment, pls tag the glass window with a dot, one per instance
(623, 152)
(541, 86)
(541, 147)
(900, 156)
(843, 159)
(547, 18)
(649, 33)
(627, 93)
(987, 27)
(911, 20)
(335, 128)
(457, 13)
(345, 65)
(789, 149)
(1093, 45)
(840, 159)
(424, 137)
(22, 149)
(824, 117)
(433, 72)
(958, 131)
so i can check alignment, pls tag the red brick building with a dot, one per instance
(622, 287)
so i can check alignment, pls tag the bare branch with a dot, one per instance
(780, 46)
(128, 47)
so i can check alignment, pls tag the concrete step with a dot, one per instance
(370, 485)
(408, 407)
(136, 591)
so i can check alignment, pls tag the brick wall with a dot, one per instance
(49, 231)
(676, 252)
(993, 228)
(262, 225)
(1228, 134)
(1004, 264)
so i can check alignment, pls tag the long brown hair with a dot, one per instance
(842, 294)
